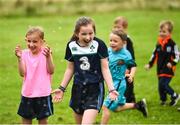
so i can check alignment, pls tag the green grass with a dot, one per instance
(143, 28)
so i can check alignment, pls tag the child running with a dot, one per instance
(119, 59)
(121, 23)
(36, 66)
(87, 61)
(166, 55)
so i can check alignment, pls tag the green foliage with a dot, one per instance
(143, 28)
(16, 8)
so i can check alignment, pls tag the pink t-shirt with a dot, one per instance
(37, 81)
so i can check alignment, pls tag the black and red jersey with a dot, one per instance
(164, 54)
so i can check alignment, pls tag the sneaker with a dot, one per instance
(142, 107)
(174, 100)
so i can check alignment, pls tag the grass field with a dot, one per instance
(143, 28)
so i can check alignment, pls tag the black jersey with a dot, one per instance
(163, 55)
(87, 65)
(130, 48)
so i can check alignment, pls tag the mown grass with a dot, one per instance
(143, 28)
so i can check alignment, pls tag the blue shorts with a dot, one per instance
(120, 86)
(85, 97)
(39, 107)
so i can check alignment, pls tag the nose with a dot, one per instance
(31, 44)
(88, 37)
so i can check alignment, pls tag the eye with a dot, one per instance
(90, 33)
(34, 41)
(28, 41)
(83, 34)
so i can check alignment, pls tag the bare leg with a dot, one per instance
(43, 121)
(78, 118)
(89, 116)
(126, 106)
(26, 121)
(105, 115)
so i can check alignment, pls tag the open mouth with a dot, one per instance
(87, 41)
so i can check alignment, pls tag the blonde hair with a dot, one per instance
(123, 20)
(168, 23)
(36, 29)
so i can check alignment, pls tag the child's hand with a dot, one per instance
(129, 77)
(47, 51)
(18, 51)
(113, 95)
(127, 71)
(147, 66)
(169, 65)
(58, 95)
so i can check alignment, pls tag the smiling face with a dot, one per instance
(164, 31)
(85, 34)
(34, 42)
(116, 43)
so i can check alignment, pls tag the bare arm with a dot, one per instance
(59, 93)
(106, 73)
(131, 74)
(50, 65)
(108, 79)
(21, 65)
(68, 74)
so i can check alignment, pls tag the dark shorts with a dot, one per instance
(40, 107)
(85, 97)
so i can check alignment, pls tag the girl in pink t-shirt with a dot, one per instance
(36, 66)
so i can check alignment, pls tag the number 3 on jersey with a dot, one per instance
(85, 65)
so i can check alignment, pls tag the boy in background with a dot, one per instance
(166, 55)
(121, 23)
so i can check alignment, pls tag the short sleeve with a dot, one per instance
(68, 54)
(102, 49)
(130, 61)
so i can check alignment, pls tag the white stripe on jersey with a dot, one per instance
(77, 50)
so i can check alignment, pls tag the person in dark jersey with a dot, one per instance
(166, 55)
(87, 61)
(121, 23)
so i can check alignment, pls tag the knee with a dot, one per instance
(106, 111)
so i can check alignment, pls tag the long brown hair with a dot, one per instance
(82, 21)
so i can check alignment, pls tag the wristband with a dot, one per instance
(111, 90)
(62, 88)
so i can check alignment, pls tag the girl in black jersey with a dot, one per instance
(87, 61)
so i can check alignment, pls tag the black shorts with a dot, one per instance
(39, 107)
(87, 97)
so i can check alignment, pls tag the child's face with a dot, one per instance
(86, 34)
(34, 43)
(119, 26)
(116, 43)
(164, 32)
